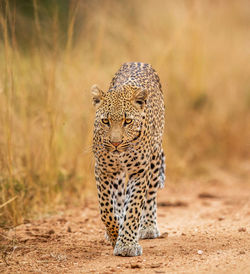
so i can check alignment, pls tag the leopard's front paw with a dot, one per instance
(127, 250)
(150, 232)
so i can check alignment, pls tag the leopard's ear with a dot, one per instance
(140, 98)
(97, 94)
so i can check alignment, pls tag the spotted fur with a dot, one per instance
(129, 159)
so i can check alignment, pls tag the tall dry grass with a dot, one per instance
(200, 49)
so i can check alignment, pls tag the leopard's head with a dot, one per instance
(120, 117)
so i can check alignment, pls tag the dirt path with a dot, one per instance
(205, 229)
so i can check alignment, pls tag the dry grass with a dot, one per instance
(199, 48)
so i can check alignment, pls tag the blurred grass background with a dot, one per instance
(52, 52)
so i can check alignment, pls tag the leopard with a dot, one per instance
(129, 156)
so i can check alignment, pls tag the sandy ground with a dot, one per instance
(205, 229)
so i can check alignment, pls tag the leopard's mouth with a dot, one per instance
(122, 147)
(126, 146)
(116, 150)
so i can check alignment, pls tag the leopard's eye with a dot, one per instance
(127, 121)
(105, 121)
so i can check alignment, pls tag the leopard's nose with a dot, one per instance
(116, 144)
